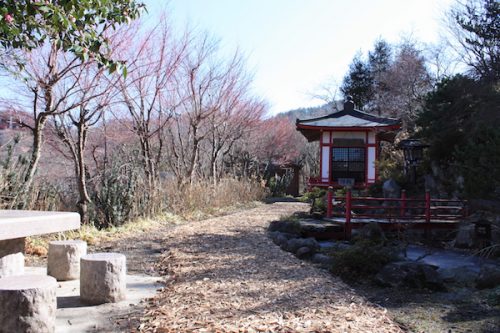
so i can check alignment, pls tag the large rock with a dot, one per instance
(304, 252)
(372, 232)
(28, 304)
(103, 278)
(296, 243)
(465, 237)
(410, 274)
(489, 277)
(391, 189)
(319, 229)
(284, 226)
(280, 238)
(430, 184)
(323, 259)
(63, 260)
(463, 276)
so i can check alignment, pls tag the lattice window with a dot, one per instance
(348, 163)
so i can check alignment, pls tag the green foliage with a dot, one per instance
(13, 169)
(365, 258)
(390, 167)
(76, 26)
(278, 184)
(317, 198)
(315, 193)
(478, 161)
(493, 296)
(114, 196)
(460, 121)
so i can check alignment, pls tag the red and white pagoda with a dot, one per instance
(349, 145)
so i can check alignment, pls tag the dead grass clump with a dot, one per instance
(203, 199)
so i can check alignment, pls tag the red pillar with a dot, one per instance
(402, 212)
(427, 212)
(329, 204)
(348, 205)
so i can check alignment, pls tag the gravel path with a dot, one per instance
(225, 275)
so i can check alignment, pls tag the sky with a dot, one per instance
(295, 47)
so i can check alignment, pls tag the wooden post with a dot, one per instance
(348, 205)
(402, 212)
(329, 199)
(427, 212)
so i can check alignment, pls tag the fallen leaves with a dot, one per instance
(225, 275)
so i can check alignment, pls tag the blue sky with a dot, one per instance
(294, 47)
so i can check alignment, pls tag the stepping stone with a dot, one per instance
(63, 261)
(103, 278)
(28, 303)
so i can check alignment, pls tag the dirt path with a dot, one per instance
(225, 275)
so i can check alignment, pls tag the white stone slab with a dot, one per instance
(23, 223)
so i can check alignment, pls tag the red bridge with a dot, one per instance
(394, 213)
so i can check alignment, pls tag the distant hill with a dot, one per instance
(312, 112)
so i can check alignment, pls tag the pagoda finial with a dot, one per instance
(348, 104)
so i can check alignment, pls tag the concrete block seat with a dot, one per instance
(103, 278)
(63, 260)
(15, 225)
(28, 303)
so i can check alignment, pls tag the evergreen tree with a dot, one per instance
(476, 26)
(460, 121)
(379, 62)
(358, 82)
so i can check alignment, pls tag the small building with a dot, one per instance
(349, 145)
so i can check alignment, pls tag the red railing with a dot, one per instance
(426, 211)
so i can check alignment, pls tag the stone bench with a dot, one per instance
(103, 278)
(28, 303)
(63, 260)
(15, 225)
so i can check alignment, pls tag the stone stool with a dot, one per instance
(11, 257)
(28, 303)
(103, 278)
(63, 261)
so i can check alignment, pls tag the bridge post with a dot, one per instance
(348, 205)
(329, 204)
(427, 212)
(402, 212)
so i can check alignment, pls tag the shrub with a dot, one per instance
(13, 168)
(364, 259)
(317, 198)
(116, 194)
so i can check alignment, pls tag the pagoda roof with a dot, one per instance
(345, 120)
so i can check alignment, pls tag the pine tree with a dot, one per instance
(476, 26)
(358, 82)
(379, 62)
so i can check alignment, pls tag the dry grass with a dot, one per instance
(226, 275)
(203, 199)
(38, 245)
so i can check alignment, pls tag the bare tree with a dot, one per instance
(235, 121)
(49, 85)
(147, 93)
(94, 93)
(210, 93)
(406, 82)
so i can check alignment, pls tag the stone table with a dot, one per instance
(15, 225)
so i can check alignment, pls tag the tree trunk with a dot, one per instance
(35, 153)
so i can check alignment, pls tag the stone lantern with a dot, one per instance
(413, 150)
